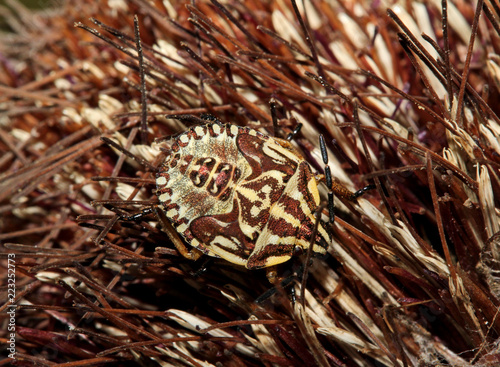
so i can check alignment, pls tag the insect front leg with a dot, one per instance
(167, 227)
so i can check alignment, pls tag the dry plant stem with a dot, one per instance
(465, 73)
(446, 50)
(35, 96)
(406, 96)
(131, 329)
(369, 160)
(53, 163)
(13, 148)
(472, 184)
(144, 108)
(414, 45)
(10, 235)
(166, 341)
(410, 49)
(437, 211)
(245, 322)
(310, 41)
(374, 338)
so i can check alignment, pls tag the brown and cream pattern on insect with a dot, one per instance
(238, 194)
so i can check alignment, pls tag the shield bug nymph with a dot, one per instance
(235, 193)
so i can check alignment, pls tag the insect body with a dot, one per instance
(235, 193)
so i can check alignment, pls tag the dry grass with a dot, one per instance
(404, 102)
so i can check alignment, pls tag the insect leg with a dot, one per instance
(273, 105)
(167, 227)
(140, 215)
(274, 116)
(279, 285)
(211, 118)
(294, 133)
(360, 192)
(328, 177)
(193, 120)
(335, 187)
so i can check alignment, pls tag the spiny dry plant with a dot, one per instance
(406, 96)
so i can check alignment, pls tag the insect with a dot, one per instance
(235, 193)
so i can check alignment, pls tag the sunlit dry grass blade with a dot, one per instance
(405, 96)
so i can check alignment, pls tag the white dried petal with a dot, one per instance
(146, 152)
(410, 23)
(287, 30)
(266, 343)
(342, 54)
(118, 5)
(401, 238)
(62, 84)
(124, 191)
(109, 105)
(421, 14)
(344, 336)
(353, 31)
(93, 69)
(20, 134)
(72, 114)
(493, 139)
(171, 12)
(456, 20)
(120, 67)
(97, 117)
(486, 198)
